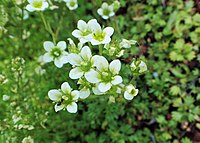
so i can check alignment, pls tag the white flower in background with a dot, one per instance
(6, 97)
(37, 5)
(143, 67)
(82, 63)
(55, 53)
(64, 98)
(84, 31)
(71, 4)
(28, 140)
(18, 2)
(106, 74)
(100, 36)
(138, 65)
(127, 43)
(130, 92)
(39, 70)
(106, 11)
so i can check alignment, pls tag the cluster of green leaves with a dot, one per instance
(167, 107)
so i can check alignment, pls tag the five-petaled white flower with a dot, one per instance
(55, 53)
(84, 31)
(106, 11)
(37, 5)
(100, 36)
(71, 4)
(130, 92)
(106, 75)
(82, 63)
(64, 98)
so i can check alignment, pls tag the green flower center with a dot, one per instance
(37, 4)
(56, 52)
(106, 76)
(86, 66)
(106, 12)
(99, 35)
(86, 32)
(72, 4)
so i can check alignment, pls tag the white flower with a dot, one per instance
(37, 5)
(100, 36)
(55, 53)
(106, 74)
(130, 92)
(28, 140)
(6, 97)
(71, 4)
(143, 67)
(106, 11)
(84, 31)
(127, 43)
(39, 70)
(64, 98)
(138, 65)
(82, 63)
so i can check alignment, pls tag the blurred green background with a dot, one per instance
(166, 110)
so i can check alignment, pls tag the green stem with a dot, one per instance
(22, 25)
(48, 27)
(100, 49)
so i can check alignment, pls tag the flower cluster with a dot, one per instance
(92, 32)
(95, 74)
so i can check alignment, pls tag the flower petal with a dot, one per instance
(59, 107)
(94, 25)
(72, 108)
(55, 95)
(115, 66)
(84, 93)
(65, 87)
(62, 45)
(100, 62)
(48, 45)
(128, 96)
(74, 59)
(30, 8)
(92, 76)
(103, 87)
(106, 40)
(82, 25)
(58, 63)
(96, 90)
(109, 31)
(47, 58)
(117, 80)
(86, 53)
(76, 33)
(75, 94)
(76, 73)
(100, 11)
(64, 59)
